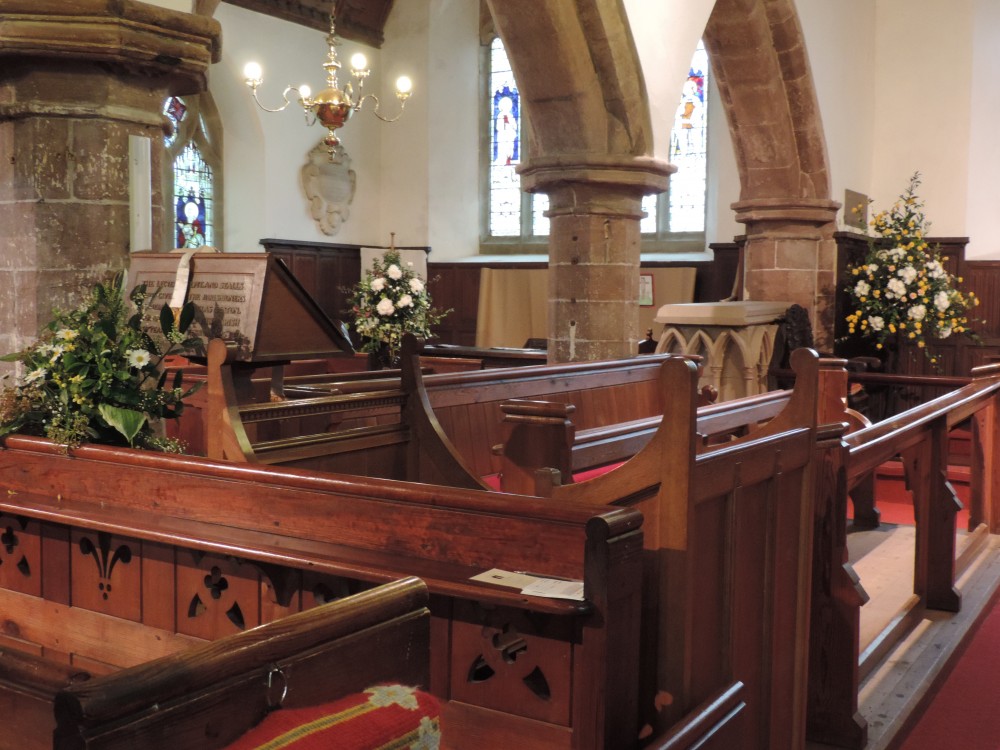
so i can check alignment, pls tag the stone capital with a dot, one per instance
(132, 38)
(610, 185)
(782, 217)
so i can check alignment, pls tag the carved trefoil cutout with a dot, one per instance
(328, 183)
(216, 585)
(216, 595)
(12, 553)
(507, 646)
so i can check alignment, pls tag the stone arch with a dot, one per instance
(762, 72)
(590, 135)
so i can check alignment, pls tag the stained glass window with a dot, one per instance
(676, 215)
(688, 141)
(505, 147)
(193, 199)
(506, 210)
(175, 109)
(192, 182)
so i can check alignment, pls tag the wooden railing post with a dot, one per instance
(935, 509)
(832, 715)
(984, 505)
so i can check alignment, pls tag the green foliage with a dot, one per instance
(901, 288)
(390, 302)
(94, 374)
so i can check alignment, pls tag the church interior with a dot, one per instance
(664, 465)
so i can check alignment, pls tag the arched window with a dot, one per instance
(193, 181)
(512, 216)
(674, 220)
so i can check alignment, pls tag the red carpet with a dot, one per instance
(962, 711)
(896, 504)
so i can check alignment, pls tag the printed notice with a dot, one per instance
(531, 584)
(555, 589)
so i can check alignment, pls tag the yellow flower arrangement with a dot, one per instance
(901, 286)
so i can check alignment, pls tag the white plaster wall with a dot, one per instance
(922, 79)
(840, 39)
(666, 34)
(404, 179)
(984, 146)
(454, 119)
(264, 152)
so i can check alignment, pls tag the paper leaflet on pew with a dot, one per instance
(532, 584)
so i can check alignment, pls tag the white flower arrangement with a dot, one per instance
(901, 289)
(389, 302)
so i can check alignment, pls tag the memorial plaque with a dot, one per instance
(250, 300)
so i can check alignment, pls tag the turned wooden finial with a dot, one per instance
(392, 240)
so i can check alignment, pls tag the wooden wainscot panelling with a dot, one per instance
(159, 586)
(20, 555)
(216, 595)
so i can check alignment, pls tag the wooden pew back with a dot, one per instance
(130, 556)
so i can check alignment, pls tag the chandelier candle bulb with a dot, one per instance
(359, 64)
(252, 74)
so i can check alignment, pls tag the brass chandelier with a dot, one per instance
(333, 106)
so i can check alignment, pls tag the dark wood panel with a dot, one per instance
(328, 270)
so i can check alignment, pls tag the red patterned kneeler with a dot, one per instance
(384, 717)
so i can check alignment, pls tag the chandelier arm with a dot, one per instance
(378, 104)
(284, 95)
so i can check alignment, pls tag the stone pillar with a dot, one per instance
(594, 244)
(790, 254)
(77, 78)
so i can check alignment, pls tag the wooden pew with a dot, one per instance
(207, 696)
(791, 424)
(725, 522)
(385, 417)
(122, 556)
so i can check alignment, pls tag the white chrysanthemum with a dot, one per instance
(872, 267)
(394, 272)
(378, 284)
(56, 352)
(138, 358)
(385, 307)
(405, 301)
(389, 695)
(862, 288)
(944, 333)
(876, 322)
(917, 312)
(907, 274)
(935, 270)
(895, 288)
(941, 301)
(34, 375)
(416, 285)
(66, 334)
(897, 253)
